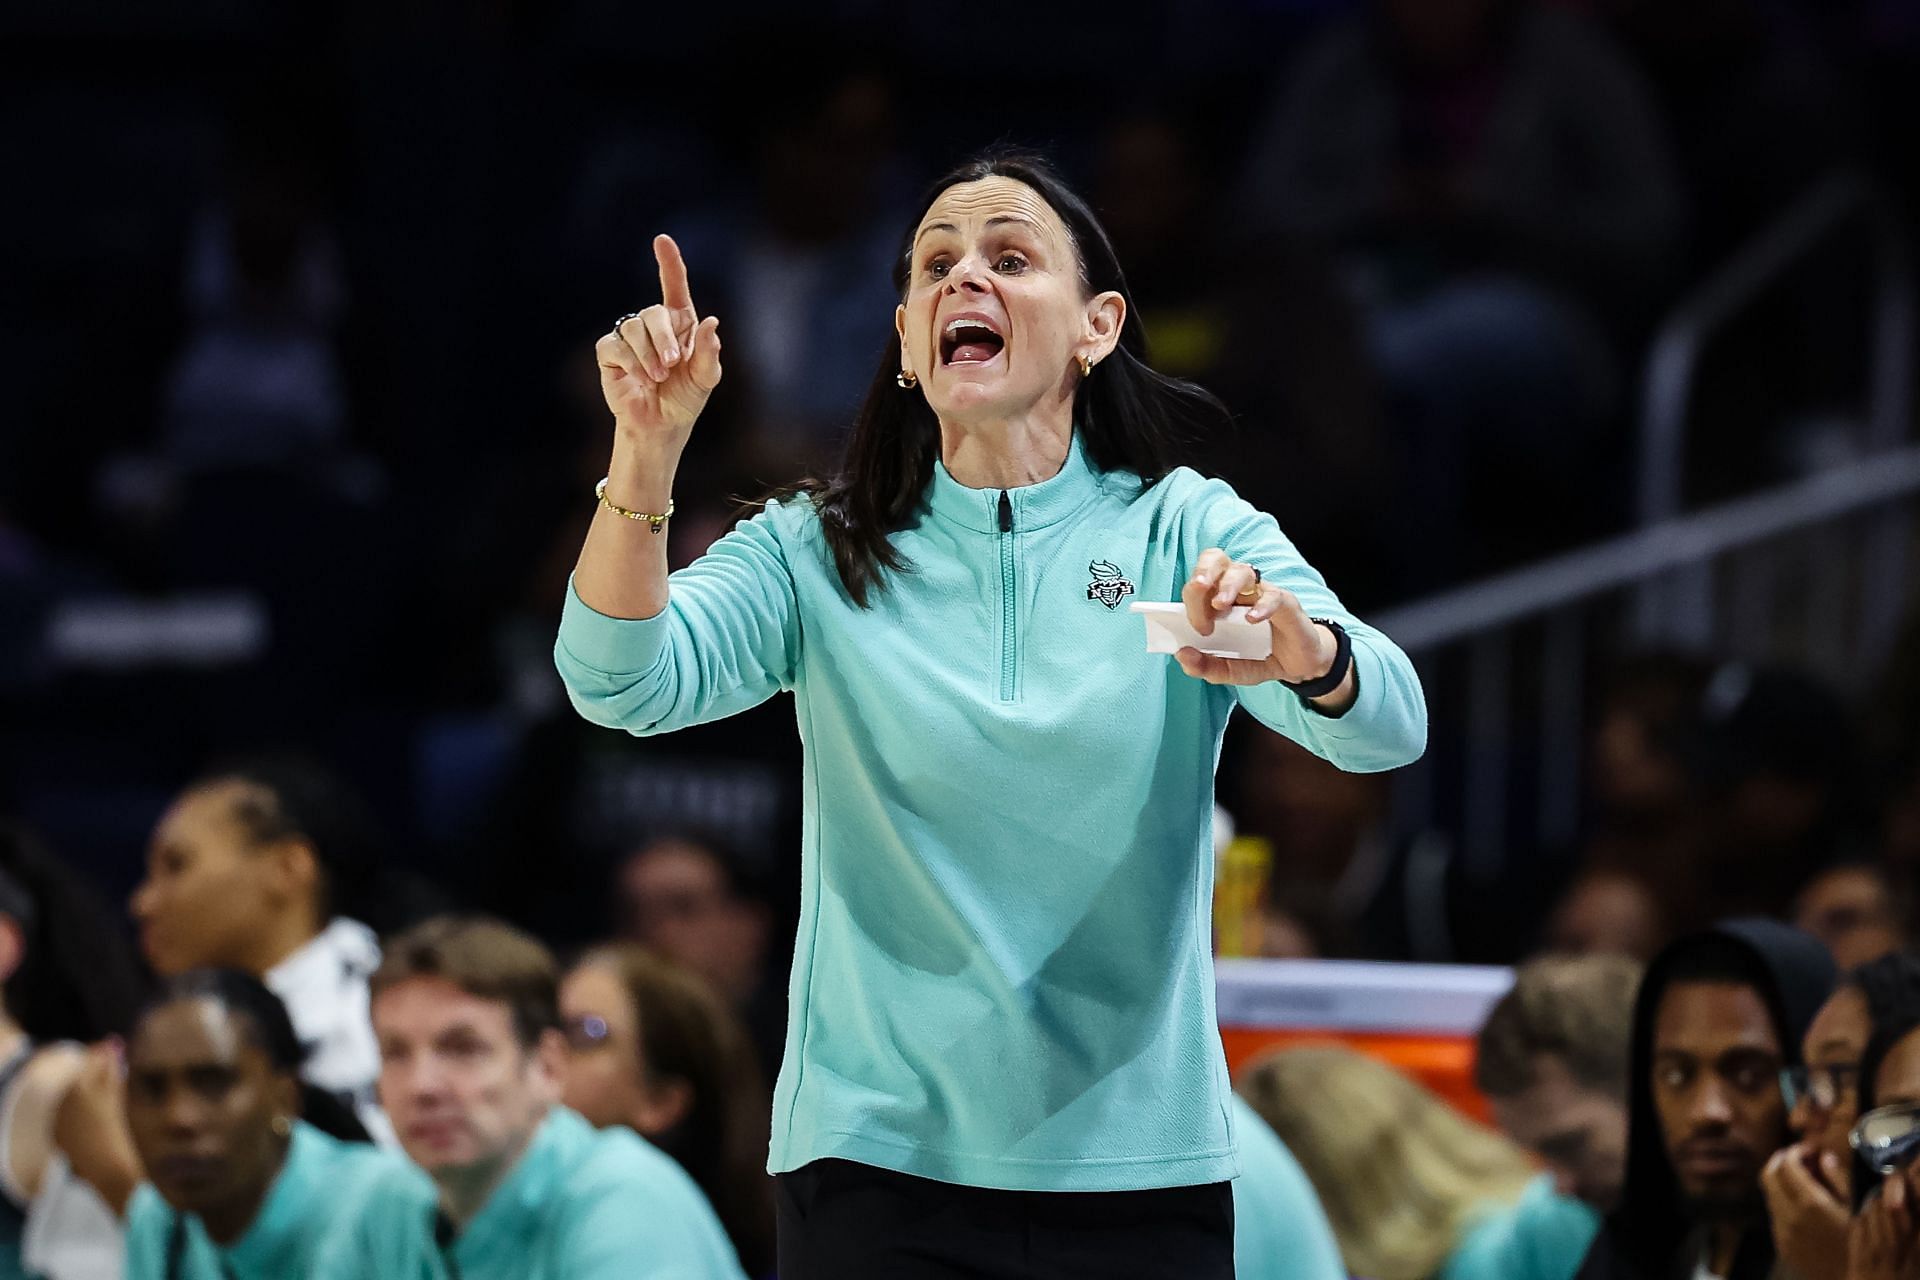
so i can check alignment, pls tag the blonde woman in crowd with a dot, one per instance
(1414, 1189)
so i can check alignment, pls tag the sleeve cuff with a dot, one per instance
(613, 646)
(1370, 675)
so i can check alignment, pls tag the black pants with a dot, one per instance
(845, 1221)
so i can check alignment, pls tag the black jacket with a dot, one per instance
(1649, 1236)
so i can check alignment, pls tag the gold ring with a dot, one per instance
(1252, 590)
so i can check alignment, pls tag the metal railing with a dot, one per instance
(1674, 607)
(1673, 361)
(1812, 570)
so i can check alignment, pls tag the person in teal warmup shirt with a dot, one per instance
(1002, 992)
(242, 1188)
(653, 1047)
(507, 1184)
(1543, 1235)
(1280, 1232)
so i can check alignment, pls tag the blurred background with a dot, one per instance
(1573, 341)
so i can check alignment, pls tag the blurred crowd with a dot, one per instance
(301, 422)
(299, 436)
(1711, 788)
(1738, 1107)
(262, 1085)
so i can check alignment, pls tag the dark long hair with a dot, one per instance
(265, 1023)
(687, 1033)
(1793, 975)
(1129, 418)
(79, 978)
(1891, 986)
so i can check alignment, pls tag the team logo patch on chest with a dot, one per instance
(1109, 586)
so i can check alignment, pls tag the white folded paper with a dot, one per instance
(1233, 636)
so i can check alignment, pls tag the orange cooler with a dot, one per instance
(1421, 1018)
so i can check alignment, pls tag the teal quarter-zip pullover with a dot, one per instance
(1003, 972)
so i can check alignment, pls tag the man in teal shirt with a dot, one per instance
(509, 1184)
(1551, 1060)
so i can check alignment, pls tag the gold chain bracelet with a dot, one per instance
(653, 521)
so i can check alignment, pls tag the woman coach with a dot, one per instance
(1002, 992)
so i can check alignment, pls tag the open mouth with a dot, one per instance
(970, 340)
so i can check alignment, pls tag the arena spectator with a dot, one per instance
(1647, 820)
(1719, 1014)
(258, 381)
(1901, 838)
(242, 1185)
(1280, 1232)
(1414, 1190)
(655, 1049)
(1809, 1185)
(1777, 754)
(1496, 181)
(1757, 110)
(1648, 706)
(687, 898)
(1609, 913)
(1551, 1059)
(1353, 885)
(805, 259)
(67, 1166)
(246, 870)
(1852, 908)
(1882, 1242)
(1328, 828)
(516, 1186)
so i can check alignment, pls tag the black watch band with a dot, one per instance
(1337, 674)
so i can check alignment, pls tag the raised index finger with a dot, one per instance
(674, 291)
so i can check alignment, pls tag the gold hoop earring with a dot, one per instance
(907, 380)
(1086, 367)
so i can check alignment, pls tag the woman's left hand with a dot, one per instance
(1809, 1217)
(1302, 649)
(90, 1127)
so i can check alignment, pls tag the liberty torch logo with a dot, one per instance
(1108, 586)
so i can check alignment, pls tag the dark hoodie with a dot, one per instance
(1649, 1237)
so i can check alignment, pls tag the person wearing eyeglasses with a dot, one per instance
(1719, 1014)
(1883, 1240)
(655, 1049)
(1809, 1184)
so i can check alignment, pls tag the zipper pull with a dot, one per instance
(1006, 512)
